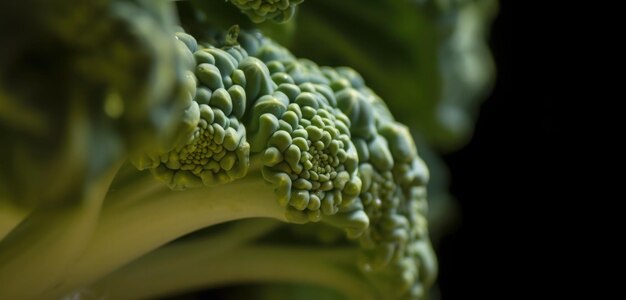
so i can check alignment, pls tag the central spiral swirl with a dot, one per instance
(206, 151)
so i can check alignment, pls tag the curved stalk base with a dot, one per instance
(186, 267)
(131, 229)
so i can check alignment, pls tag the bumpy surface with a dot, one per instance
(261, 10)
(310, 156)
(217, 151)
(391, 178)
(322, 138)
(396, 244)
(306, 146)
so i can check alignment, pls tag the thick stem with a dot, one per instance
(37, 253)
(135, 185)
(136, 188)
(234, 235)
(185, 267)
(10, 217)
(127, 232)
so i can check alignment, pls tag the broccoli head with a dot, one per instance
(236, 127)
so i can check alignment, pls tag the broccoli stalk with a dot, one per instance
(155, 274)
(125, 232)
(11, 215)
(61, 233)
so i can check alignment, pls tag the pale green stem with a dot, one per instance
(142, 186)
(187, 267)
(130, 231)
(233, 235)
(10, 216)
(139, 185)
(37, 253)
(213, 243)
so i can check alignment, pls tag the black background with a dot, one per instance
(505, 179)
(470, 256)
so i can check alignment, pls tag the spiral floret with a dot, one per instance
(217, 151)
(308, 154)
(258, 11)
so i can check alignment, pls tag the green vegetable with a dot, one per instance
(436, 49)
(202, 157)
(262, 10)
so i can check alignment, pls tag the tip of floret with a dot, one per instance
(262, 10)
